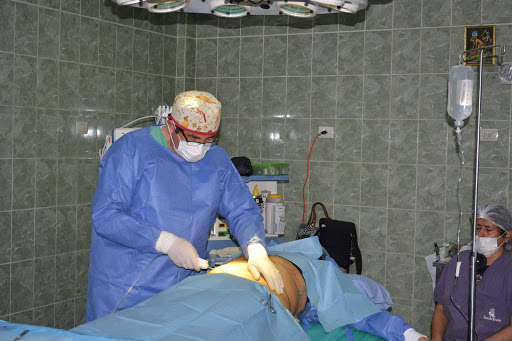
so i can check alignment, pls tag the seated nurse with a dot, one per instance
(493, 316)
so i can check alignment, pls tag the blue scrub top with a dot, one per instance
(144, 189)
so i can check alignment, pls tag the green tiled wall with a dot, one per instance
(380, 78)
(62, 62)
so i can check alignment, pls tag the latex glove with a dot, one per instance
(260, 264)
(181, 252)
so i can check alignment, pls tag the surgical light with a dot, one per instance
(460, 93)
(229, 10)
(348, 6)
(294, 8)
(166, 6)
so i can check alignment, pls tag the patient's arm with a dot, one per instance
(294, 297)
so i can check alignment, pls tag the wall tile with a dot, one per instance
(406, 51)
(431, 187)
(24, 317)
(274, 97)
(228, 95)
(276, 24)
(401, 226)
(228, 57)
(22, 286)
(405, 96)
(433, 95)
(375, 266)
(82, 272)
(325, 52)
(374, 186)
(108, 10)
(274, 56)
(492, 185)
(293, 190)
(432, 142)
(350, 97)
(106, 44)
(406, 14)
(68, 85)
(326, 23)
(252, 91)
(372, 232)
(377, 97)
(139, 93)
(298, 97)
(206, 58)
(89, 41)
(5, 299)
(466, 12)
(252, 25)
(69, 37)
(107, 92)
(250, 136)
(156, 53)
(64, 315)
(124, 48)
(24, 132)
(7, 25)
(46, 182)
(435, 50)
(88, 87)
(436, 13)
(5, 184)
(26, 29)
(123, 91)
(321, 182)
(323, 97)
(273, 138)
(45, 227)
(399, 275)
(66, 134)
(48, 39)
(402, 187)
(351, 22)
(65, 276)
(6, 130)
(495, 98)
(229, 138)
(5, 242)
(45, 316)
(403, 142)
(155, 92)
(23, 173)
(299, 55)
(347, 186)
(44, 281)
(466, 188)
(299, 25)
(350, 49)
(70, 6)
(7, 85)
(48, 83)
(251, 56)
(84, 227)
(377, 52)
(125, 15)
(25, 80)
(229, 27)
(348, 140)
(90, 8)
(422, 281)
(379, 15)
(66, 231)
(170, 44)
(67, 182)
(428, 231)
(496, 12)
(375, 140)
(87, 179)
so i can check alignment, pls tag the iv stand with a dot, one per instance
(472, 267)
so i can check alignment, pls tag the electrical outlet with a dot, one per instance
(489, 135)
(330, 132)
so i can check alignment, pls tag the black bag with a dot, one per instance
(242, 165)
(339, 238)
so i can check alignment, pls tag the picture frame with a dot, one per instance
(476, 37)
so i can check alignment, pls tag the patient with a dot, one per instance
(295, 295)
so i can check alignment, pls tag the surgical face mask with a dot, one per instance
(487, 245)
(190, 151)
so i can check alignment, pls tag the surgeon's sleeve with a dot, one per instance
(387, 326)
(237, 205)
(112, 201)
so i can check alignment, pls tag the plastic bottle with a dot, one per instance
(274, 214)
(460, 93)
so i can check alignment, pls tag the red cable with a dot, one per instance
(307, 176)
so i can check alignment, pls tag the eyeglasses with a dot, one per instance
(211, 139)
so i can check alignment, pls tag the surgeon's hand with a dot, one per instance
(259, 263)
(181, 252)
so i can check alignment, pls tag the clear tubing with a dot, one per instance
(462, 162)
(144, 270)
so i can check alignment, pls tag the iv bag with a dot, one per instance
(460, 93)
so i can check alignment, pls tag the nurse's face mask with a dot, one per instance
(484, 244)
(190, 150)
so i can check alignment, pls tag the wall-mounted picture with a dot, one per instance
(476, 37)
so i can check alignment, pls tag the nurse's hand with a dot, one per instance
(260, 264)
(181, 252)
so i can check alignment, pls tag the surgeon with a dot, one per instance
(493, 315)
(159, 189)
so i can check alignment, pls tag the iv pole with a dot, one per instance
(472, 267)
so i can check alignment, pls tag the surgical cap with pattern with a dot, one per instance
(197, 112)
(497, 214)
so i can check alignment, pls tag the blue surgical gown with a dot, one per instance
(144, 189)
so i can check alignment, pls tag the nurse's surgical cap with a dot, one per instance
(497, 214)
(197, 112)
